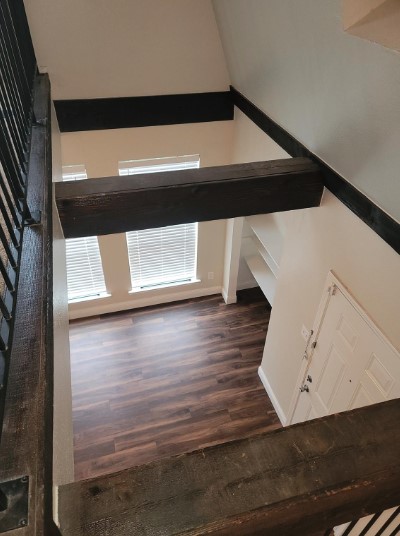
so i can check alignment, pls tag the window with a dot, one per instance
(73, 173)
(163, 256)
(85, 278)
(155, 165)
(166, 255)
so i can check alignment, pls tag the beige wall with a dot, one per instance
(355, 10)
(103, 48)
(381, 24)
(63, 461)
(336, 93)
(250, 144)
(317, 240)
(101, 151)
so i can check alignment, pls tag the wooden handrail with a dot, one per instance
(294, 481)
(26, 443)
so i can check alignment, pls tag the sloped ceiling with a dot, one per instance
(337, 94)
(103, 48)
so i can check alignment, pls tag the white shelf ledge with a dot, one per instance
(265, 228)
(264, 276)
(265, 255)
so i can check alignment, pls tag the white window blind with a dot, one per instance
(162, 256)
(85, 278)
(74, 173)
(166, 255)
(156, 165)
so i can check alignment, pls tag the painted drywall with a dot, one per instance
(355, 10)
(380, 25)
(100, 152)
(250, 144)
(338, 94)
(63, 458)
(233, 240)
(98, 48)
(317, 240)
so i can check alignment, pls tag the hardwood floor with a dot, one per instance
(164, 380)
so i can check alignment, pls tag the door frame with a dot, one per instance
(332, 285)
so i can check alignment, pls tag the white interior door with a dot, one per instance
(352, 364)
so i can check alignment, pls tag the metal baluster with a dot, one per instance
(6, 276)
(369, 524)
(27, 82)
(22, 32)
(11, 171)
(3, 308)
(7, 248)
(15, 213)
(388, 522)
(13, 111)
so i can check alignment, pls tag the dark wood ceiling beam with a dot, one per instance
(371, 214)
(296, 480)
(118, 204)
(133, 112)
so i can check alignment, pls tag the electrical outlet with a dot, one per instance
(305, 333)
(210, 275)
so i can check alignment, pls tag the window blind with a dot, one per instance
(162, 256)
(166, 255)
(74, 173)
(156, 165)
(85, 277)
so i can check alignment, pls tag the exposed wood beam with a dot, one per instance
(129, 112)
(296, 480)
(363, 207)
(118, 204)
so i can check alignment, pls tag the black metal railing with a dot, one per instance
(387, 522)
(17, 73)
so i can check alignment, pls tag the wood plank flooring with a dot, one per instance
(164, 380)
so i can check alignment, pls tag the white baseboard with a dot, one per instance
(243, 286)
(106, 305)
(272, 396)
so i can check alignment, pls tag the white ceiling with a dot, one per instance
(103, 48)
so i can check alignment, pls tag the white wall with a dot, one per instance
(338, 94)
(100, 152)
(317, 240)
(63, 460)
(375, 20)
(103, 48)
(250, 144)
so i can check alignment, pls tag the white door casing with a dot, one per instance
(352, 364)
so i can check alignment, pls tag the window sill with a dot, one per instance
(137, 290)
(90, 298)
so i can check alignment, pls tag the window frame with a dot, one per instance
(73, 173)
(156, 165)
